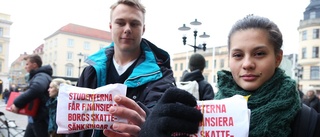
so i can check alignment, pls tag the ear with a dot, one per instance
(110, 26)
(279, 58)
(144, 28)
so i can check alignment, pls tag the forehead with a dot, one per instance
(250, 38)
(123, 11)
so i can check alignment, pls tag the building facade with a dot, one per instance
(309, 43)
(17, 73)
(5, 24)
(67, 48)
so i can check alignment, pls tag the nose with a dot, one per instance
(127, 29)
(248, 64)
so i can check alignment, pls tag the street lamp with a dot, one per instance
(80, 56)
(195, 32)
(298, 73)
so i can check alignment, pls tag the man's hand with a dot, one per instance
(130, 110)
(14, 108)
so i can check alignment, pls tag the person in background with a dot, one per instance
(39, 80)
(132, 60)
(52, 105)
(197, 64)
(5, 95)
(312, 100)
(254, 45)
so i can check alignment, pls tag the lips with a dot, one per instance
(249, 77)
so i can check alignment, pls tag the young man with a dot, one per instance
(130, 60)
(39, 80)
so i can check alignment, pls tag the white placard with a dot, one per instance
(83, 108)
(228, 117)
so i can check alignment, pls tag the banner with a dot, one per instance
(83, 108)
(228, 117)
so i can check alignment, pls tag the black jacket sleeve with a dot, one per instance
(37, 86)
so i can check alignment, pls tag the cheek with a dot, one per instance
(234, 66)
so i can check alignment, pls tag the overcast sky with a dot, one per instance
(34, 20)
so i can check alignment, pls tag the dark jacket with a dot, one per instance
(313, 102)
(38, 85)
(52, 106)
(306, 123)
(205, 88)
(151, 76)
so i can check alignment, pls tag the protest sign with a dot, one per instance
(228, 117)
(83, 108)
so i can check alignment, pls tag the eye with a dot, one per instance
(135, 24)
(237, 55)
(120, 23)
(260, 53)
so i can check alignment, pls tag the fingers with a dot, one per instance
(14, 108)
(110, 133)
(173, 95)
(123, 130)
(128, 109)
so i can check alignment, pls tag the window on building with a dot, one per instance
(69, 70)
(304, 35)
(55, 55)
(70, 42)
(207, 64)
(181, 66)
(175, 67)
(315, 34)
(214, 63)
(315, 52)
(314, 72)
(1, 48)
(221, 63)
(304, 53)
(205, 77)
(312, 15)
(1, 32)
(86, 45)
(55, 42)
(69, 55)
(54, 68)
(0, 65)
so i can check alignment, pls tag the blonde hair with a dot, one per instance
(132, 3)
(58, 81)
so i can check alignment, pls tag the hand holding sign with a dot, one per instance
(175, 112)
(130, 110)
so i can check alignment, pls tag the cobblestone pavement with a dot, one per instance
(20, 120)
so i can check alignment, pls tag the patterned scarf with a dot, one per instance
(273, 105)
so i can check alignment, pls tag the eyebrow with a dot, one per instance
(255, 48)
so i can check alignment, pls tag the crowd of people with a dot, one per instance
(154, 106)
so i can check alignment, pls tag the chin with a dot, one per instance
(248, 87)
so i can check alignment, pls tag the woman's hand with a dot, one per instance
(130, 110)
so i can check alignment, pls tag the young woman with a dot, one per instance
(254, 57)
(52, 105)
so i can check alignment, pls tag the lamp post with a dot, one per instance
(80, 56)
(195, 34)
(298, 73)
